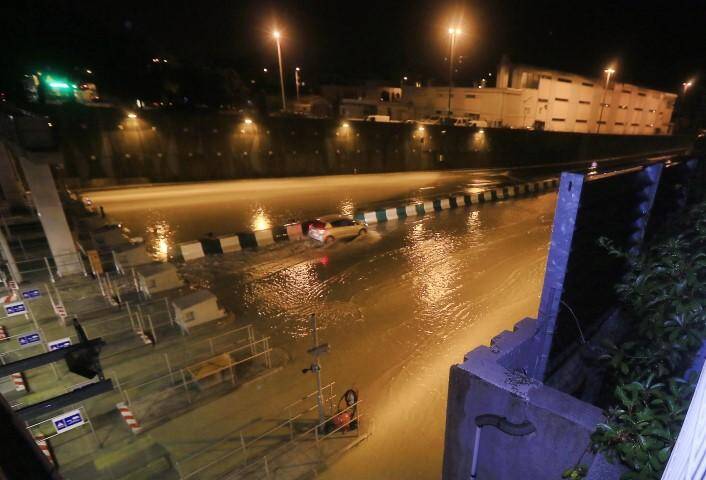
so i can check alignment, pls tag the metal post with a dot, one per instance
(210, 343)
(268, 359)
(129, 312)
(183, 381)
(169, 367)
(251, 339)
(80, 262)
(22, 247)
(51, 275)
(154, 332)
(245, 450)
(90, 424)
(100, 284)
(315, 367)
(118, 268)
(232, 371)
(169, 311)
(267, 467)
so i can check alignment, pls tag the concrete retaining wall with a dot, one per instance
(491, 380)
(101, 146)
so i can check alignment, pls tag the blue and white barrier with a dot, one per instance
(297, 231)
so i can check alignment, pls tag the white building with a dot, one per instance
(528, 97)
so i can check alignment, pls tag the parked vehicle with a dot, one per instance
(333, 227)
(377, 118)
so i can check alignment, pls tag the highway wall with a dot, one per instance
(103, 146)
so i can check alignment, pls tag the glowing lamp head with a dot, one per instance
(298, 69)
(420, 128)
(248, 121)
(609, 70)
(276, 34)
(131, 115)
(454, 31)
(345, 125)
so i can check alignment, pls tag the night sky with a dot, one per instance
(656, 44)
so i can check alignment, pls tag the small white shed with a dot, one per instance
(158, 277)
(131, 255)
(197, 308)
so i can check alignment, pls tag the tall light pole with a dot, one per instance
(453, 32)
(297, 80)
(608, 72)
(404, 79)
(276, 34)
(686, 86)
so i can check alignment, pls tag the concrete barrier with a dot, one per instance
(297, 231)
(191, 251)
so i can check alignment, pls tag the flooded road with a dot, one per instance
(167, 214)
(399, 307)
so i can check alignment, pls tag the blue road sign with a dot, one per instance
(28, 339)
(61, 343)
(31, 294)
(67, 421)
(16, 308)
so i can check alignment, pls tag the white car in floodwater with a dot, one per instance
(333, 227)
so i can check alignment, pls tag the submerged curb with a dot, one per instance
(217, 245)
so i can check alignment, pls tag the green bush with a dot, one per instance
(664, 299)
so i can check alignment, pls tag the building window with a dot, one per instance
(634, 124)
(543, 100)
(561, 99)
(587, 84)
(601, 122)
(584, 102)
(470, 95)
(557, 119)
(652, 110)
(563, 80)
(638, 109)
(581, 121)
(623, 107)
(627, 91)
(605, 105)
(619, 123)
(642, 94)
(548, 77)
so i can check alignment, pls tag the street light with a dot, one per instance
(608, 72)
(404, 79)
(297, 80)
(686, 86)
(453, 32)
(276, 34)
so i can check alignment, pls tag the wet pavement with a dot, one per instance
(168, 214)
(399, 307)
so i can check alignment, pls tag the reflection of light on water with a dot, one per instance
(346, 207)
(161, 239)
(431, 255)
(260, 220)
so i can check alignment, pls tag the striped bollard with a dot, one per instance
(3, 333)
(129, 418)
(43, 445)
(19, 380)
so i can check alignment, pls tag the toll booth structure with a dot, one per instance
(197, 308)
(157, 277)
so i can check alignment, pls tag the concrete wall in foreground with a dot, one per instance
(491, 381)
(104, 146)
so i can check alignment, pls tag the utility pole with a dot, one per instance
(315, 367)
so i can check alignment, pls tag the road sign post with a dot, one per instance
(315, 368)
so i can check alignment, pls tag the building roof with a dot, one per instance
(199, 296)
(156, 268)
